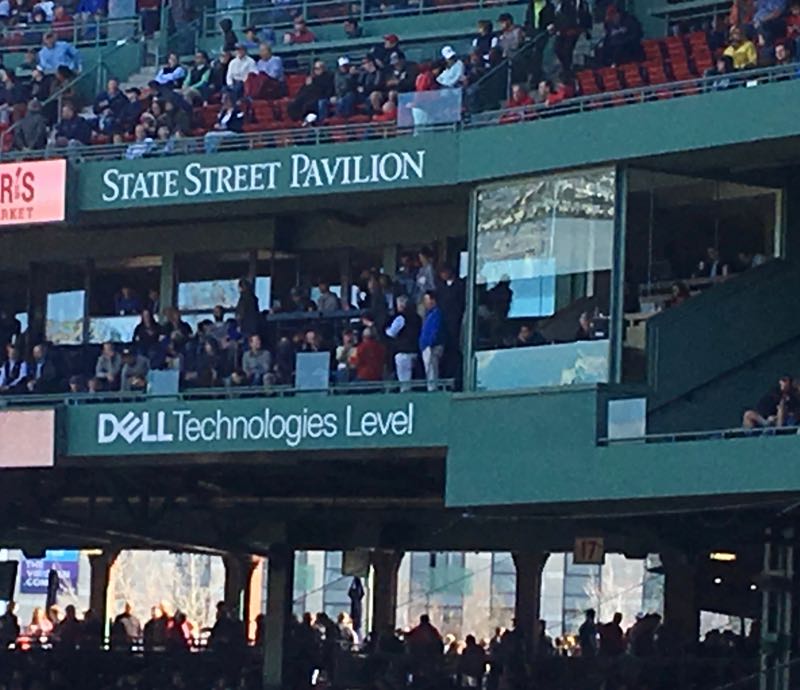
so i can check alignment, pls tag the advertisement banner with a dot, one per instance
(33, 192)
(34, 572)
(303, 422)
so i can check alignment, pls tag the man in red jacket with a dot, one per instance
(370, 356)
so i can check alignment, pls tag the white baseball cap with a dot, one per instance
(448, 52)
(344, 60)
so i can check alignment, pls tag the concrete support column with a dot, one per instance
(166, 285)
(280, 592)
(253, 583)
(385, 565)
(235, 574)
(527, 600)
(100, 565)
(681, 614)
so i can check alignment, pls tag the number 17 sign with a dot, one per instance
(589, 551)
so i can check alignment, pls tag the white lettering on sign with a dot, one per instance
(305, 172)
(183, 426)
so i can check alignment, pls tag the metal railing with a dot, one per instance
(80, 33)
(279, 16)
(281, 136)
(712, 435)
(224, 393)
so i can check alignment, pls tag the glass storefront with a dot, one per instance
(543, 257)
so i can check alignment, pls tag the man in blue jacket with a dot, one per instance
(431, 339)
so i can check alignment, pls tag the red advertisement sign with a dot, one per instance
(33, 192)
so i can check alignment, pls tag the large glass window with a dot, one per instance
(544, 250)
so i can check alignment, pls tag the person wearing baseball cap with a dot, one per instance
(345, 83)
(382, 53)
(450, 77)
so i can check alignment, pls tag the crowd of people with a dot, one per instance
(324, 652)
(404, 329)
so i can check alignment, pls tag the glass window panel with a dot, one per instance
(65, 317)
(544, 250)
(115, 329)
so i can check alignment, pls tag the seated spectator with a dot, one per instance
(141, 145)
(229, 39)
(26, 67)
(711, 266)
(43, 372)
(741, 50)
(779, 407)
(721, 73)
(369, 357)
(519, 97)
(13, 96)
(317, 91)
(108, 106)
(250, 40)
(230, 121)
(77, 385)
(212, 366)
(680, 294)
(217, 82)
(781, 55)
(793, 27)
(351, 28)
(126, 302)
(257, 363)
(344, 356)
(175, 118)
(172, 74)
(529, 337)
(54, 54)
(40, 88)
(749, 259)
(768, 19)
(453, 72)
(623, 38)
(129, 115)
(402, 75)
(108, 367)
(388, 112)
(344, 89)
(13, 372)
(511, 35)
(135, 367)
(196, 86)
(174, 323)
(72, 130)
(584, 331)
(485, 41)
(299, 34)
(240, 67)
(369, 79)
(268, 81)
(383, 52)
(30, 134)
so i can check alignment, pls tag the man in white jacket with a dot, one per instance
(239, 68)
(453, 72)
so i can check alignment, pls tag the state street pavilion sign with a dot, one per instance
(303, 422)
(268, 173)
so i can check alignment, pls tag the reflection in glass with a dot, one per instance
(207, 294)
(543, 277)
(65, 317)
(423, 108)
(114, 329)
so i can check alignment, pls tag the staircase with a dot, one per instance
(717, 354)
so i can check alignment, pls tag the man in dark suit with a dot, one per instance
(44, 374)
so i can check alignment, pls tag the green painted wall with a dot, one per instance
(541, 448)
(569, 141)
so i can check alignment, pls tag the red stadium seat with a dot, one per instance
(587, 82)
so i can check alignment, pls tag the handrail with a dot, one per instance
(280, 15)
(507, 66)
(304, 136)
(708, 435)
(387, 386)
(57, 96)
(97, 29)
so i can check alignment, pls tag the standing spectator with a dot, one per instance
(369, 357)
(768, 19)
(623, 38)
(587, 636)
(54, 54)
(240, 67)
(229, 39)
(431, 339)
(126, 302)
(172, 74)
(126, 630)
(257, 363)
(511, 36)
(109, 366)
(72, 130)
(146, 334)
(453, 72)
(344, 356)
(10, 328)
(62, 23)
(425, 277)
(31, 132)
(247, 312)
(133, 375)
(382, 53)
(404, 330)
(612, 639)
(741, 50)
(300, 33)
(327, 302)
(451, 298)
(9, 626)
